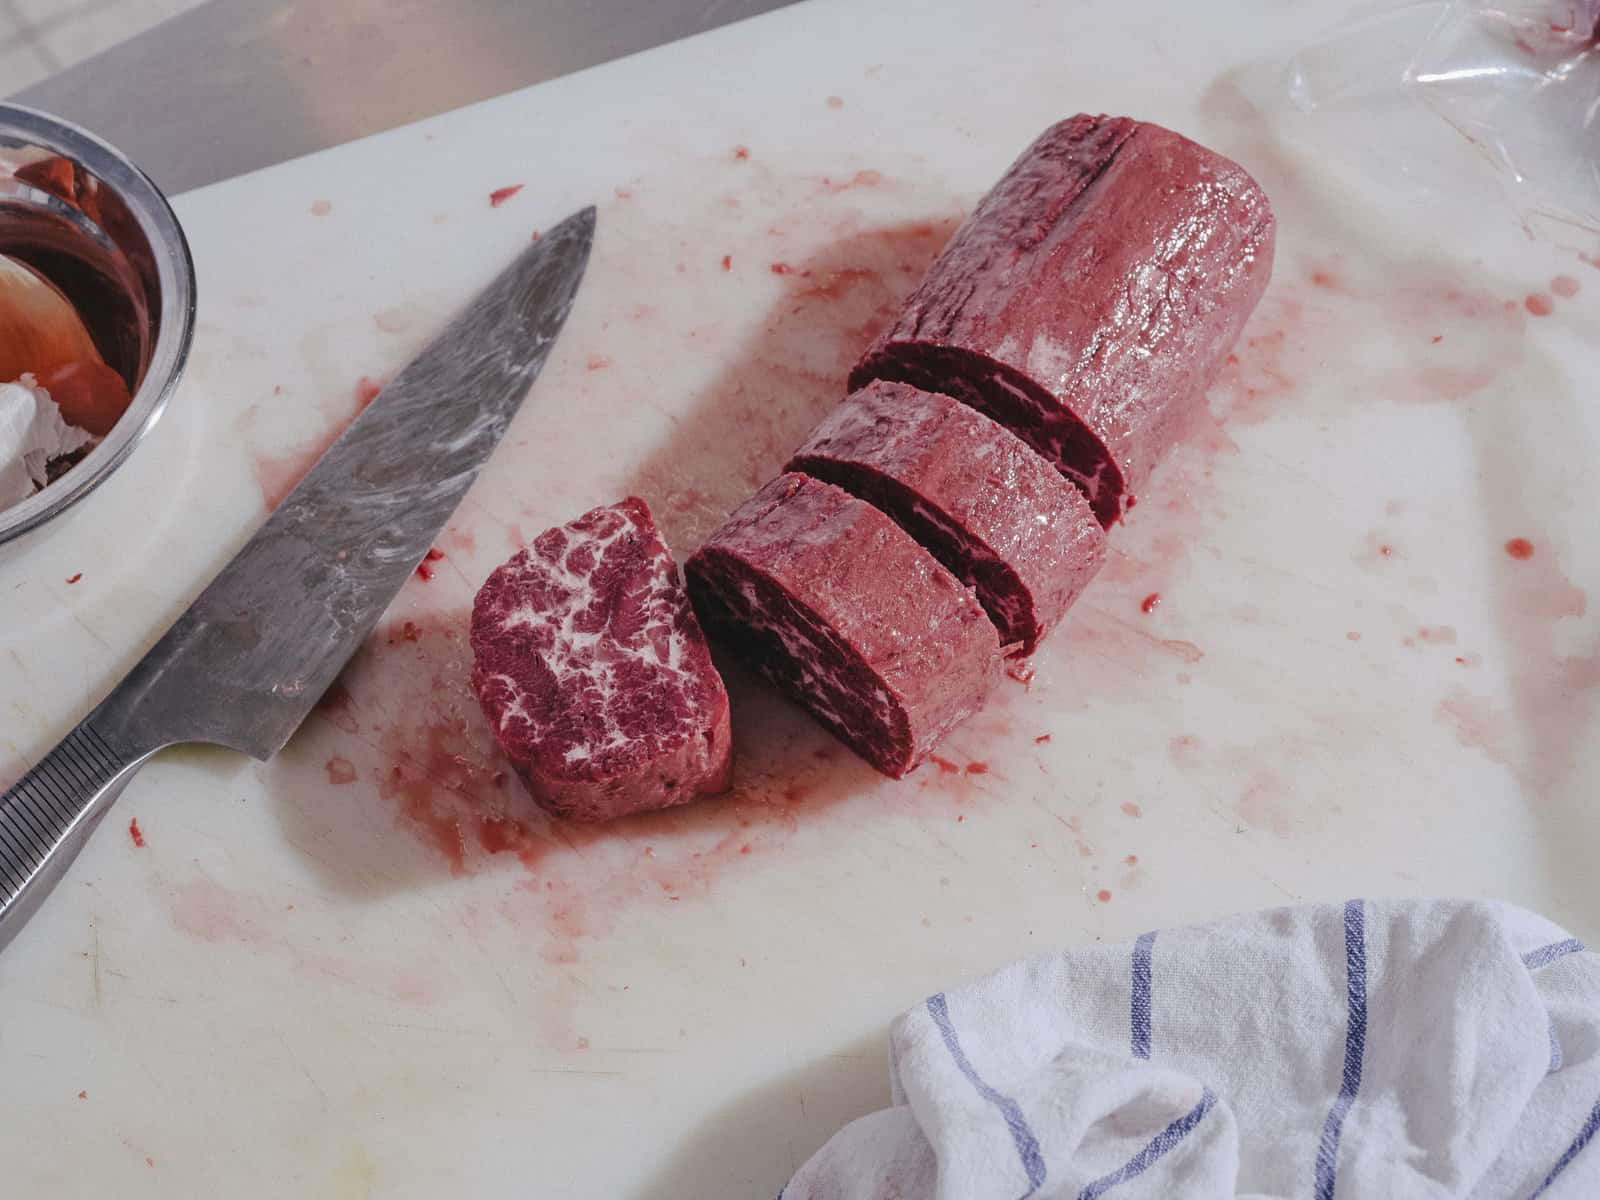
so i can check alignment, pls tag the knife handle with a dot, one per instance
(46, 817)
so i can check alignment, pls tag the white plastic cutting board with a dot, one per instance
(308, 983)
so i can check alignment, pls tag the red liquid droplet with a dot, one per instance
(1520, 548)
(1150, 603)
(727, 262)
(135, 833)
(944, 765)
(1538, 304)
(1041, 739)
(75, 578)
(977, 768)
(500, 195)
(1102, 895)
(1564, 285)
(740, 153)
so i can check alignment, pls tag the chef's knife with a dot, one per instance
(252, 655)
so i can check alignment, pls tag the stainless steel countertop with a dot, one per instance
(239, 84)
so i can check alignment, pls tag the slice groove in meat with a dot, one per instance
(1000, 518)
(835, 604)
(1090, 299)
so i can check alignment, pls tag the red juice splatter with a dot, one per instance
(340, 771)
(1437, 338)
(1041, 739)
(1150, 603)
(1131, 809)
(727, 262)
(1538, 304)
(1132, 860)
(136, 834)
(1022, 672)
(1520, 548)
(276, 474)
(75, 578)
(1352, 636)
(867, 179)
(83, 1095)
(741, 153)
(500, 195)
(1102, 895)
(597, 362)
(406, 631)
(944, 764)
(977, 768)
(835, 102)
(424, 572)
(535, 236)
(1565, 286)
(321, 208)
(783, 268)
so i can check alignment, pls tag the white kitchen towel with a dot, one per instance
(1412, 1048)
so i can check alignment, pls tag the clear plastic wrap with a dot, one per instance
(1518, 79)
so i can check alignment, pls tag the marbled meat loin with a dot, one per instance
(594, 674)
(835, 604)
(1090, 299)
(1003, 521)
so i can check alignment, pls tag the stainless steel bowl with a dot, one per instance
(104, 234)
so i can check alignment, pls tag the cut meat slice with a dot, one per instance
(833, 602)
(594, 674)
(996, 514)
(1091, 298)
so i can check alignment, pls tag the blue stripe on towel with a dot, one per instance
(1545, 955)
(1571, 1152)
(1355, 1042)
(1158, 1145)
(1027, 1144)
(1139, 1005)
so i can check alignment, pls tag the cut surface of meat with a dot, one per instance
(996, 514)
(594, 674)
(1090, 299)
(834, 603)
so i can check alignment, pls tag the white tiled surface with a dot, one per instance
(40, 37)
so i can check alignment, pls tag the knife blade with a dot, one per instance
(245, 664)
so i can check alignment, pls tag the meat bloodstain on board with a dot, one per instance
(277, 473)
(135, 834)
(1538, 304)
(773, 389)
(1564, 286)
(428, 761)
